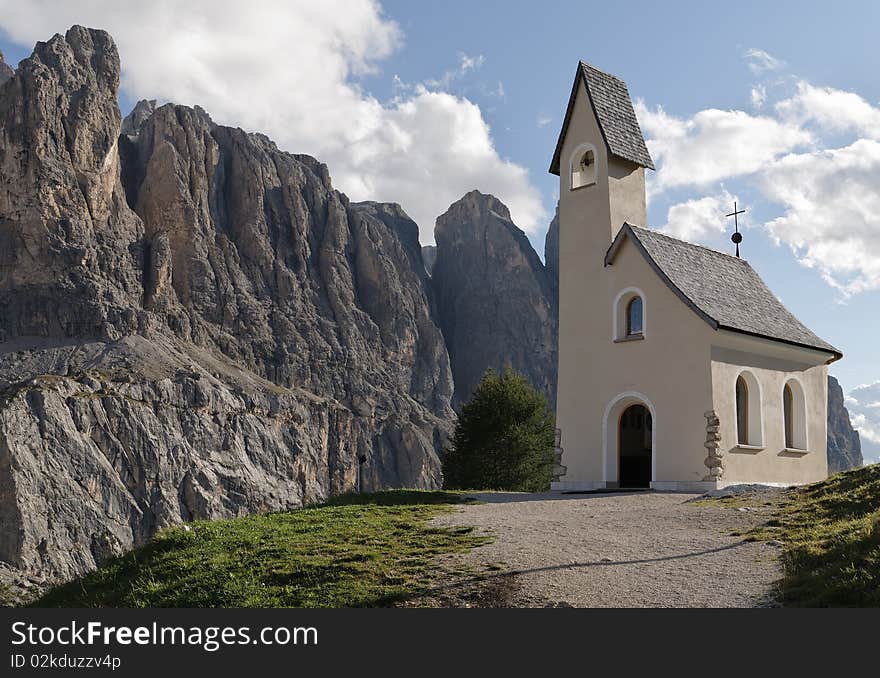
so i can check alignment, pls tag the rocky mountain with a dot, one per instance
(844, 445)
(193, 324)
(494, 298)
(6, 71)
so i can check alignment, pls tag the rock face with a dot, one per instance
(493, 295)
(193, 324)
(6, 71)
(429, 254)
(844, 444)
(141, 112)
(551, 261)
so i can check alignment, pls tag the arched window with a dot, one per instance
(794, 415)
(583, 166)
(749, 426)
(634, 317)
(787, 414)
(742, 411)
(628, 319)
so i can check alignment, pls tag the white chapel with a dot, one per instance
(678, 368)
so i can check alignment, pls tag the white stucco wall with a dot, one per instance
(771, 462)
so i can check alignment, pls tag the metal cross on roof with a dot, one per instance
(737, 237)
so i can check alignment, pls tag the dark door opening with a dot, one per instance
(635, 447)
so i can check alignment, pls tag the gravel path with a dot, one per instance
(622, 550)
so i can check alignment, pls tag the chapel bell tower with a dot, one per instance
(600, 160)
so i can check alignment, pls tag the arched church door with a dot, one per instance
(634, 438)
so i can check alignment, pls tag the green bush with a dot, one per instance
(504, 438)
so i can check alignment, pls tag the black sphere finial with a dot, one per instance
(737, 236)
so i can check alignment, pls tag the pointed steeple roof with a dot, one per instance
(613, 108)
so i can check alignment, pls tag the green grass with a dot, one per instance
(355, 551)
(831, 536)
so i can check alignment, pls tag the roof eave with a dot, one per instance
(835, 354)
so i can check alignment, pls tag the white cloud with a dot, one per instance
(714, 144)
(758, 95)
(700, 218)
(832, 212)
(466, 64)
(543, 120)
(863, 403)
(469, 63)
(760, 61)
(290, 70)
(832, 110)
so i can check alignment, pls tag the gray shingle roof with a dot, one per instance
(614, 111)
(723, 290)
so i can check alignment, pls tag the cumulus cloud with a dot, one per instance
(830, 109)
(700, 218)
(832, 212)
(291, 69)
(714, 144)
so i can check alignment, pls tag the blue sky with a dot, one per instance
(775, 104)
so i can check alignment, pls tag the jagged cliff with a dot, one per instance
(194, 324)
(844, 444)
(6, 71)
(494, 298)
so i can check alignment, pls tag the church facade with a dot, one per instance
(678, 368)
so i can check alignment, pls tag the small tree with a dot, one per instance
(504, 438)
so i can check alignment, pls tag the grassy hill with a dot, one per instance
(831, 536)
(380, 549)
(357, 550)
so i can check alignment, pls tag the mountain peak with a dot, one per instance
(494, 301)
(141, 112)
(475, 203)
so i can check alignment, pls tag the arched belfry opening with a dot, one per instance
(635, 446)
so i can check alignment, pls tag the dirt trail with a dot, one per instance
(623, 550)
